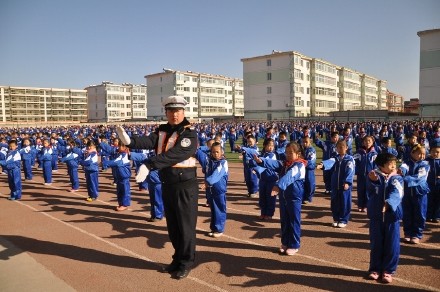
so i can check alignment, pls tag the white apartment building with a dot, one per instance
(108, 102)
(284, 85)
(33, 104)
(429, 83)
(208, 96)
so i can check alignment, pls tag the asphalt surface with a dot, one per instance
(53, 240)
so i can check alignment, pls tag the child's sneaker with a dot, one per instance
(387, 278)
(282, 249)
(47, 184)
(291, 251)
(90, 199)
(267, 217)
(217, 234)
(373, 276)
(406, 239)
(342, 225)
(335, 224)
(415, 240)
(121, 208)
(73, 190)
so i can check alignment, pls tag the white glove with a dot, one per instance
(123, 135)
(142, 173)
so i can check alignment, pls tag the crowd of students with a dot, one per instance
(393, 183)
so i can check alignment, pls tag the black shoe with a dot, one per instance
(182, 273)
(170, 268)
(154, 219)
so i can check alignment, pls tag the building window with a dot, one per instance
(269, 90)
(269, 103)
(269, 117)
(269, 62)
(269, 76)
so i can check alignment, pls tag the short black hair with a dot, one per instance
(384, 158)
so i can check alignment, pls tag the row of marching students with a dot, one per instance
(388, 194)
(119, 160)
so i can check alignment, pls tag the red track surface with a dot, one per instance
(91, 247)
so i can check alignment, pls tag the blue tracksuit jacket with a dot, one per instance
(343, 169)
(12, 165)
(415, 201)
(291, 185)
(384, 226)
(364, 164)
(217, 172)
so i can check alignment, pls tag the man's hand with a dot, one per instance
(123, 136)
(142, 173)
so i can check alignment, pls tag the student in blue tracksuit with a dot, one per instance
(310, 180)
(105, 150)
(72, 161)
(55, 154)
(123, 173)
(385, 189)
(290, 189)
(216, 182)
(154, 185)
(415, 174)
(342, 167)
(364, 158)
(46, 154)
(91, 169)
(328, 151)
(433, 213)
(250, 177)
(12, 165)
(267, 179)
(232, 138)
(386, 147)
(27, 154)
(280, 145)
(202, 156)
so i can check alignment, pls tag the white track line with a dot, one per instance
(226, 236)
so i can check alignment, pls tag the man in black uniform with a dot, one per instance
(175, 144)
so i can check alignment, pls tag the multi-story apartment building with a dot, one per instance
(108, 102)
(284, 85)
(208, 96)
(429, 83)
(394, 102)
(33, 104)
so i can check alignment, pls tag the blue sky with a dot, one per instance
(72, 44)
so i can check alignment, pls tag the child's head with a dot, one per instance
(412, 139)
(250, 140)
(306, 142)
(435, 151)
(293, 151)
(71, 142)
(122, 147)
(12, 144)
(386, 162)
(368, 142)
(91, 145)
(418, 152)
(341, 147)
(386, 142)
(216, 151)
(269, 145)
(282, 136)
(46, 143)
(116, 142)
(218, 137)
(210, 142)
(334, 137)
(26, 142)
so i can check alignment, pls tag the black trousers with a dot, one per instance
(181, 206)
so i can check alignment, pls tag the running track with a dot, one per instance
(91, 247)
